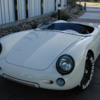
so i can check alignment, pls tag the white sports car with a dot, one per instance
(57, 55)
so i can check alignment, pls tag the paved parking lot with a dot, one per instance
(92, 15)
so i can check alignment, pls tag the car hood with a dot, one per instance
(38, 49)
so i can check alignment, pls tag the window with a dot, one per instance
(69, 26)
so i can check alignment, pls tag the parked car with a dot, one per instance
(57, 55)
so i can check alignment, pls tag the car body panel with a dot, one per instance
(31, 57)
(37, 50)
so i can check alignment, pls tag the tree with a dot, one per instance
(71, 1)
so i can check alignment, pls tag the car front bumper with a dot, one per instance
(21, 81)
(42, 79)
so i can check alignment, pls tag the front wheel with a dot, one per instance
(88, 72)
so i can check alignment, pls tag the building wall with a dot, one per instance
(34, 8)
(6, 11)
(12, 10)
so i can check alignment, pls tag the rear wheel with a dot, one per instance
(88, 72)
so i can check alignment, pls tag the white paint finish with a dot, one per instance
(13, 37)
(46, 75)
(34, 8)
(38, 49)
(78, 50)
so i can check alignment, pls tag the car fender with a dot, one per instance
(79, 53)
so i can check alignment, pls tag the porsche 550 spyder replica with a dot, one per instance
(57, 55)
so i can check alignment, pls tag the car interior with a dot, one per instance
(82, 29)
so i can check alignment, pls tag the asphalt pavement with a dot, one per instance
(13, 91)
(92, 16)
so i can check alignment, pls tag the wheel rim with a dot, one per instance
(88, 73)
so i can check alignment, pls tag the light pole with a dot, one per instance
(80, 2)
(85, 6)
(59, 11)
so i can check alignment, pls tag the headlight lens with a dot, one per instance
(60, 82)
(0, 48)
(65, 64)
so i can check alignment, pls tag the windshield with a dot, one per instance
(68, 26)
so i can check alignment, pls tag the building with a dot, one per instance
(12, 10)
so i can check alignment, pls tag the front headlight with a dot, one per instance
(65, 64)
(0, 48)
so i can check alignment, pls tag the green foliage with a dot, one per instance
(80, 7)
(73, 5)
(77, 12)
(54, 14)
(64, 15)
(34, 25)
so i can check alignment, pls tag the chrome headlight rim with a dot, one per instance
(58, 67)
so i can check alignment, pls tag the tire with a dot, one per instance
(88, 72)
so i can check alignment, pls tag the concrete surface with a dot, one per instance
(92, 15)
(13, 91)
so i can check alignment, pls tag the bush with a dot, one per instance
(54, 14)
(80, 7)
(73, 4)
(64, 16)
(77, 12)
(34, 25)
